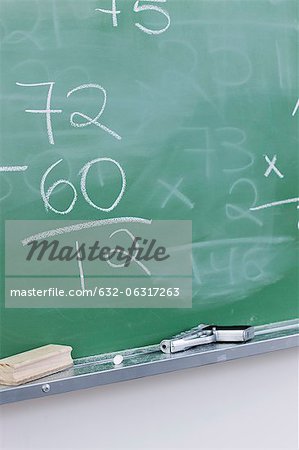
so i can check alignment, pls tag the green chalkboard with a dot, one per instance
(201, 113)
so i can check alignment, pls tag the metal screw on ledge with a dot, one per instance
(46, 388)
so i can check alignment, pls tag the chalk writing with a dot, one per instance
(243, 213)
(132, 257)
(148, 7)
(47, 194)
(48, 111)
(228, 267)
(272, 167)
(89, 120)
(151, 5)
(296, 108)
(83, 172)
(83, 226)
(174, 191)
(13, 168)
(278, 203)
(113, 12)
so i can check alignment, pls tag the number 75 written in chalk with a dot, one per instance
(150, 6)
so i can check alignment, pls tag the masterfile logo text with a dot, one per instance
(140, 250)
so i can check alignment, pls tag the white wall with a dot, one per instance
(249, 403)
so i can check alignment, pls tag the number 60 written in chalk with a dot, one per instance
(46, 193)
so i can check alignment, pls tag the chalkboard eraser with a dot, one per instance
(34, 364)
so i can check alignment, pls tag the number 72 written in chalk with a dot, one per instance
(48, 111)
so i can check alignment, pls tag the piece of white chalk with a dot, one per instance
(118, 359)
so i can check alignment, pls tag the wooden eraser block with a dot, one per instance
(34, 364)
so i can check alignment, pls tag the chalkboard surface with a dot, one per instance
(197, 101)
